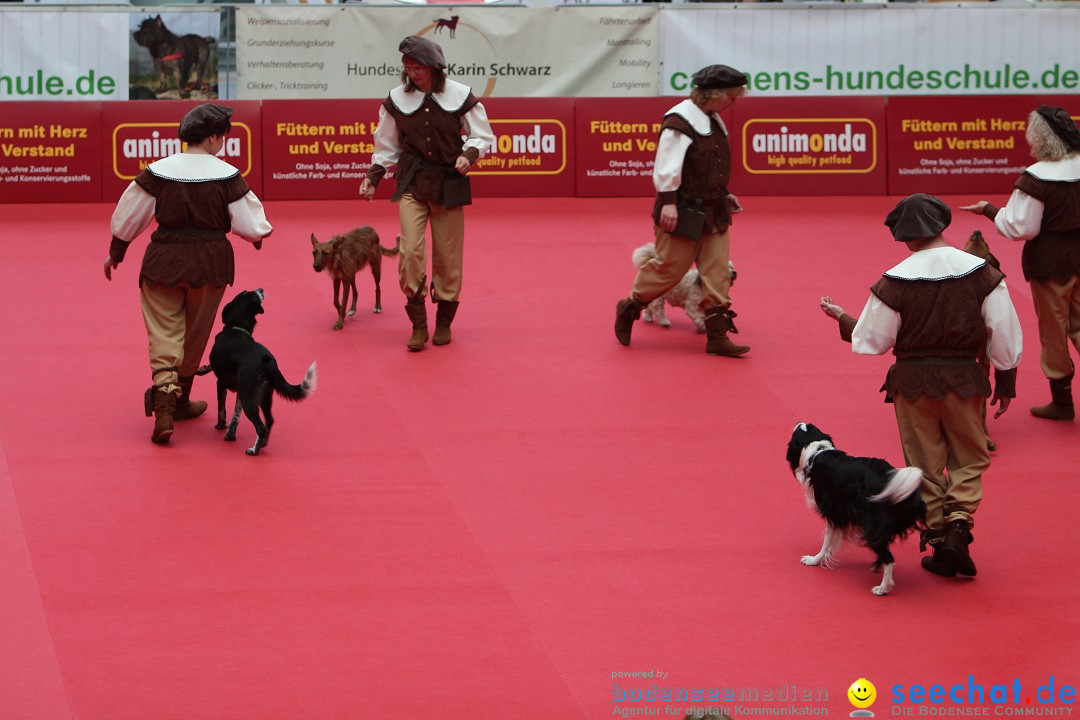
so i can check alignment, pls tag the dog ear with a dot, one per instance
(314, 240)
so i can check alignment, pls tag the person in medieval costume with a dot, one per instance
(196, 199)
(421, 126)
(937, 311)
(1044, 211)
(693, 209)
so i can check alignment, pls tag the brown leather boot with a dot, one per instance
(718, 323)
(954, 547)
(416, 309)
(443, 317)
(164, 407)
(937, 563)
(1060, 406)
(186, 408)
(627, 311)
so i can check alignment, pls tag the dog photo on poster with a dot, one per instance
(174, 56)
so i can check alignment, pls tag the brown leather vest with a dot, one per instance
(1053, 254)
(941, 334)
(429, 137)
(189, 245)
(706, 171)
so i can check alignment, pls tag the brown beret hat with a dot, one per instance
(1063, 126)
(918, 217)
(199, 123)
(423, 51)
(718, 77)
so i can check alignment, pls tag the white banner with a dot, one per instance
(63, 55)
(878, 50)
(351, 52)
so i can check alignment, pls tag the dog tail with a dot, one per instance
(902, 483)
(296, 392)
(392, 251)
(644, 254)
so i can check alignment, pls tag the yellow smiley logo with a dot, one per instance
(862, 693)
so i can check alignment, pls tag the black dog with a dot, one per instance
(175, 56)
(862, 499)
(250, 370)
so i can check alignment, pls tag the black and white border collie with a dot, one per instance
(865, 500)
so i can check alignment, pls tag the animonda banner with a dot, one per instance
(351, 52)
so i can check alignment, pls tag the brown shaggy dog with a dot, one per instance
(977, 246)
(345, 255)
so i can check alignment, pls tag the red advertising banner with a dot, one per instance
(138, 133)
(545, 147)
(808, 146)
(534, 149)
(50, 152)
(319, 149)
(971, 145)
(616, 145)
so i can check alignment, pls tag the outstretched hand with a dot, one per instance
(367, 190)
(830, 308)
(977, 208)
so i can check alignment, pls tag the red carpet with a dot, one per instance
(504, 527)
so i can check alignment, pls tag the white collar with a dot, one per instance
(697, 118)
(452, 97)
(806, 463)
(1065, 170)
(939, 263)
(192, 167)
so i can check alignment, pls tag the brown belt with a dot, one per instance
(936, 361)
(190, 233)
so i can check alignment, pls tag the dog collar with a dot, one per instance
(234, 327)
(823, 446)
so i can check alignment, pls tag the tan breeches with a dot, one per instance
(178, 324)
(1057, 306)
(447, 247)
(676, 255)
(945, 435)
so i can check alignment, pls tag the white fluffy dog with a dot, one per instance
(686, 294)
